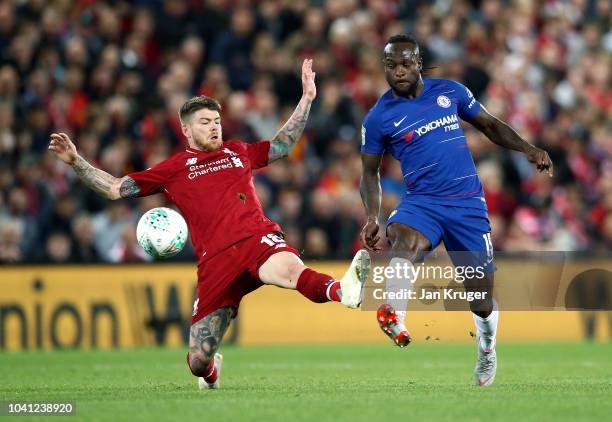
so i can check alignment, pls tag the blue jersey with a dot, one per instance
(425, 135)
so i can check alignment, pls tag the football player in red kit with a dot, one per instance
(239, 249)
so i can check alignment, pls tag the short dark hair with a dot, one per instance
(197, 103)
(402, 38)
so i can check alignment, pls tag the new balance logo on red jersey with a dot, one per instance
(191, 161)
(229, 151)
(237, 162)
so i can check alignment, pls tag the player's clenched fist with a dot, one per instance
(541, 159)
(369, 236)
(63, 147)
(308, 80)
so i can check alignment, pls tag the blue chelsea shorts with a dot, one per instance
(464, 231)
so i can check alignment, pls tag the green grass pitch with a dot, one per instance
(427, 381)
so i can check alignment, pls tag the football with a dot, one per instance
(162, 232)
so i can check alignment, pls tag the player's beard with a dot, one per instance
(407, 88)
(209, 144)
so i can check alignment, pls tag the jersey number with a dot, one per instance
(272, 239)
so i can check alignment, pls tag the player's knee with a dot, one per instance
(407, 243)
(293, 271)
(401, 247)
(199, 364)
(288, 273)
(281, 269)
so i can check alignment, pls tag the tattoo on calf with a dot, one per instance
(128, 188)
(206, 334)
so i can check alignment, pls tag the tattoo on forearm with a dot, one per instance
(128, 188)
(96, 179)
(286, 138)
(206, 334)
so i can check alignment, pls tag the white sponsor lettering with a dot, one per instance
(454, 126)
(435, 124)
(213, 166)
(212, 163)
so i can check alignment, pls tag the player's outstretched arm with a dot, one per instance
(503, 135)
(371, 196)
(283, 142)
(98, 180)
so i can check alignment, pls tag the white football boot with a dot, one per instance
(486, 365)
(353, 282)
(217, 384)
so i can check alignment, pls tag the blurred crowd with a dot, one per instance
(113, 75)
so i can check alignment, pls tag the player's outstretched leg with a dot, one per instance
(285, 269)
(204, 339)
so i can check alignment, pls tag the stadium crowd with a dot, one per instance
(113, 75)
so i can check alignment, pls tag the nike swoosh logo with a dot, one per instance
(483, 382)
(396, 124)
(407, 127)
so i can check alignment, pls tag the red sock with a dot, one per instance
(318, 287)
(211, 376)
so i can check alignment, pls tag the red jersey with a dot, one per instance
(214, 192)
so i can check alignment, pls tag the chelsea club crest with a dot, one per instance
(444, 101)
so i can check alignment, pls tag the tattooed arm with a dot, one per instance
(98, 180)
(103, 183)
(282, 144)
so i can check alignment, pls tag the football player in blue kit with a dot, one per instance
(418, 122)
